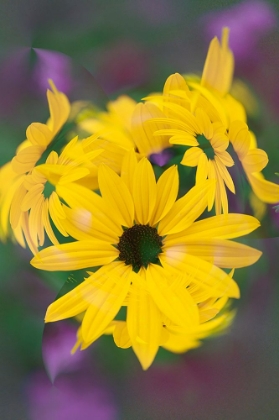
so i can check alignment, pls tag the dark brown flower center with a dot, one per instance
(139, 246)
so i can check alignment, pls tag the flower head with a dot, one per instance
(156, 258)
(202, 116)
(39, 135)
(37, 200)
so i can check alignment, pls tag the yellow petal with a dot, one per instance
(185, 210)
(175, 302)
(72, 303)
(240, 138)
(267, 191)
(219, 65)
(104, 305)
(223, 226)
(224, 174)
(221, 252)
(31, 197)
(121, 336)
(143, 127)
(144, 326)
(167, 190)
(207, 276)
(26, 158)
(202, 169)
(191, 157)
(175, 82)
(87, 202)
(39, 135)
(144, 191)
(129, 164)
(255, 160)
(116, 194)
(75, 255)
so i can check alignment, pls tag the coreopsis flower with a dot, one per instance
(128, 126)
(203, 117)
(155, 257)
(39, 136)
(41, 194)
(13, 174)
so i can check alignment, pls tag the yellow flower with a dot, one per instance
(156, 258)
(37, 197)
(128, 125)
(253, 161)
(39, 135)
(200, 129)
(173, 337)
(201, 114)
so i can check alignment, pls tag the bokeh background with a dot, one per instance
(95, 50)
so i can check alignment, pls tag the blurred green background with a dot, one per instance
(109, 48)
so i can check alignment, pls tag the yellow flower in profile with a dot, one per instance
(128, 125)
(39, 135)
(155, 257)
(201, 129)
(253, 161)
(203, 116)
(40, 194)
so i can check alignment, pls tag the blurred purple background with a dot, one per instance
(97, 50)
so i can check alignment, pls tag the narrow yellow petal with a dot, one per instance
(167, 190)
(191, 156)
(175, 302)
(39, 135)
(219, 65)
(104, 305)
(223, 226)
(46, 222)
(185, 210)
(221, 252)
(207, 276)
(121, 336)
(144, 326)
(267, 191)
(72, 303)
(144, 191)
(143, 127)
(87, 202)
(75, 255)
(26, 158)
(202, 169)
(255, 160)
(129, 164)
(175, 82)
(31, 197)
(116, 194)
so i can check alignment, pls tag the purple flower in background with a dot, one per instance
(58, 341)
(248, 22)
(162, 158)
(52, 65)
(76, 396)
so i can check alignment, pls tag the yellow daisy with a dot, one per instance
(37, 197)
(39, 135)
(202, 115)
(208, 141)
(253, 161)
(155, 257)
(129, 126)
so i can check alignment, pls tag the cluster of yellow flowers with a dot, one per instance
(150, 249)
